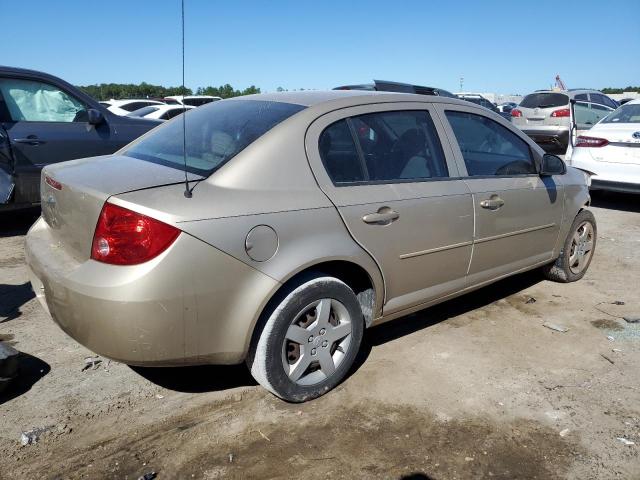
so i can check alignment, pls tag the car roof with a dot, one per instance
(331, 99)
(123, 101)
(633, 102)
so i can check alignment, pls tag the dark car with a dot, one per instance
(398, 87)
(483, 102)
(45, 120)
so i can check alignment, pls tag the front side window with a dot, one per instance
(391, 147)
(30, 101)
(215, 133)
(489, 148)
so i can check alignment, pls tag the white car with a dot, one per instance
(124, 107)
(611, 150)
(193, 100)
(160, 112)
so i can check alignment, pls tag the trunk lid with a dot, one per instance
(622, 148)
(73, 193)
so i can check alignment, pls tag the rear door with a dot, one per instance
(397, 189)
(517, 213)
(46, 125)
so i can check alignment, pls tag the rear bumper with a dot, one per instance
(550, 138)
(613, 176)
(192, 304)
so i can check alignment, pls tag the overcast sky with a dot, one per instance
(497, 46)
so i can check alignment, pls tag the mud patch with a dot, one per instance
(607, 324)
(356, 441)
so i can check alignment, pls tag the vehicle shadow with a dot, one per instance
(12, 297)
(30, 370)
(198, 379)
(624, 202)
(451, 308)
(17, 222)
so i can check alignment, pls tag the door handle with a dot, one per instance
(30, 140)
(384, 216)
(493, 203)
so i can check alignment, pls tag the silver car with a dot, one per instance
(281, 226)
(545, 115)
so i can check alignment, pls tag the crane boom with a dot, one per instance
(559, 83)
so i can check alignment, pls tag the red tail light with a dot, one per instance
(583, 141)
(563, 112)
(123, 237)
(516, 113)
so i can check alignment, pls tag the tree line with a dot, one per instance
(106, 91)
(609, 90)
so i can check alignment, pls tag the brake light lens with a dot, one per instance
(583, 141)
(516, 113)
(124, 237)
(563, 112)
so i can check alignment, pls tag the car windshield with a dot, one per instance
(544, 100)
(628, 113)
(215, 133)
(141, 112)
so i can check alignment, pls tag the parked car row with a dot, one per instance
(128, 106)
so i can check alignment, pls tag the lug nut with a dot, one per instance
(313, 351)
(325, 343)
(311, 339)
(322, 331)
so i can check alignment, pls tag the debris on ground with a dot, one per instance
(32, 436)
(264, 436)
(617, 302)
(616, 350)
(8, 364)
(531, 300)
(148, 476)
(607, 358)
(564, 433)
(610, 338)
(625, 441)
(231, 458)
(159, 397)
(91, 363)
(557, 328)
(632, 319)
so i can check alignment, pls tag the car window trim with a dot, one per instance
(363, 161)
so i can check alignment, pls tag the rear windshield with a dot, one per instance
(141, 112)
(625, 114)
(544, 100)
(196, 102)
(215, 133)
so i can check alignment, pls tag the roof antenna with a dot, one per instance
(187, 191)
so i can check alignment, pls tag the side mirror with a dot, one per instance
(552, 165)
(94, 117)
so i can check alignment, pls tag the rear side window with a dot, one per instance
(130, 107)
(174, 112)
(544, 100)
(340, 155)
(388, 147)
(489, 148)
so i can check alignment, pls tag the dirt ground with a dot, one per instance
(473, 388)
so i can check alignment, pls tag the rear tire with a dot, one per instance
(309, 341)
(577, 251)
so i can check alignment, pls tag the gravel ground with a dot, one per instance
(473, 388)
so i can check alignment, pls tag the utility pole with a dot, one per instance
(461, 83)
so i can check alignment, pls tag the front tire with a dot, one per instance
(577, 252)
(309, 341)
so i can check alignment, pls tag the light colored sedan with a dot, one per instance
(160, 112)
(611, 150)
(300, 219)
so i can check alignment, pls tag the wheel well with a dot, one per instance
(350, 273)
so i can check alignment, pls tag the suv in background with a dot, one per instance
(45, 120)
(545, 115)
(386, 86)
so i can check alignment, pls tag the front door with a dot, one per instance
(518, 213)
(396, 187)
(46, 125)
